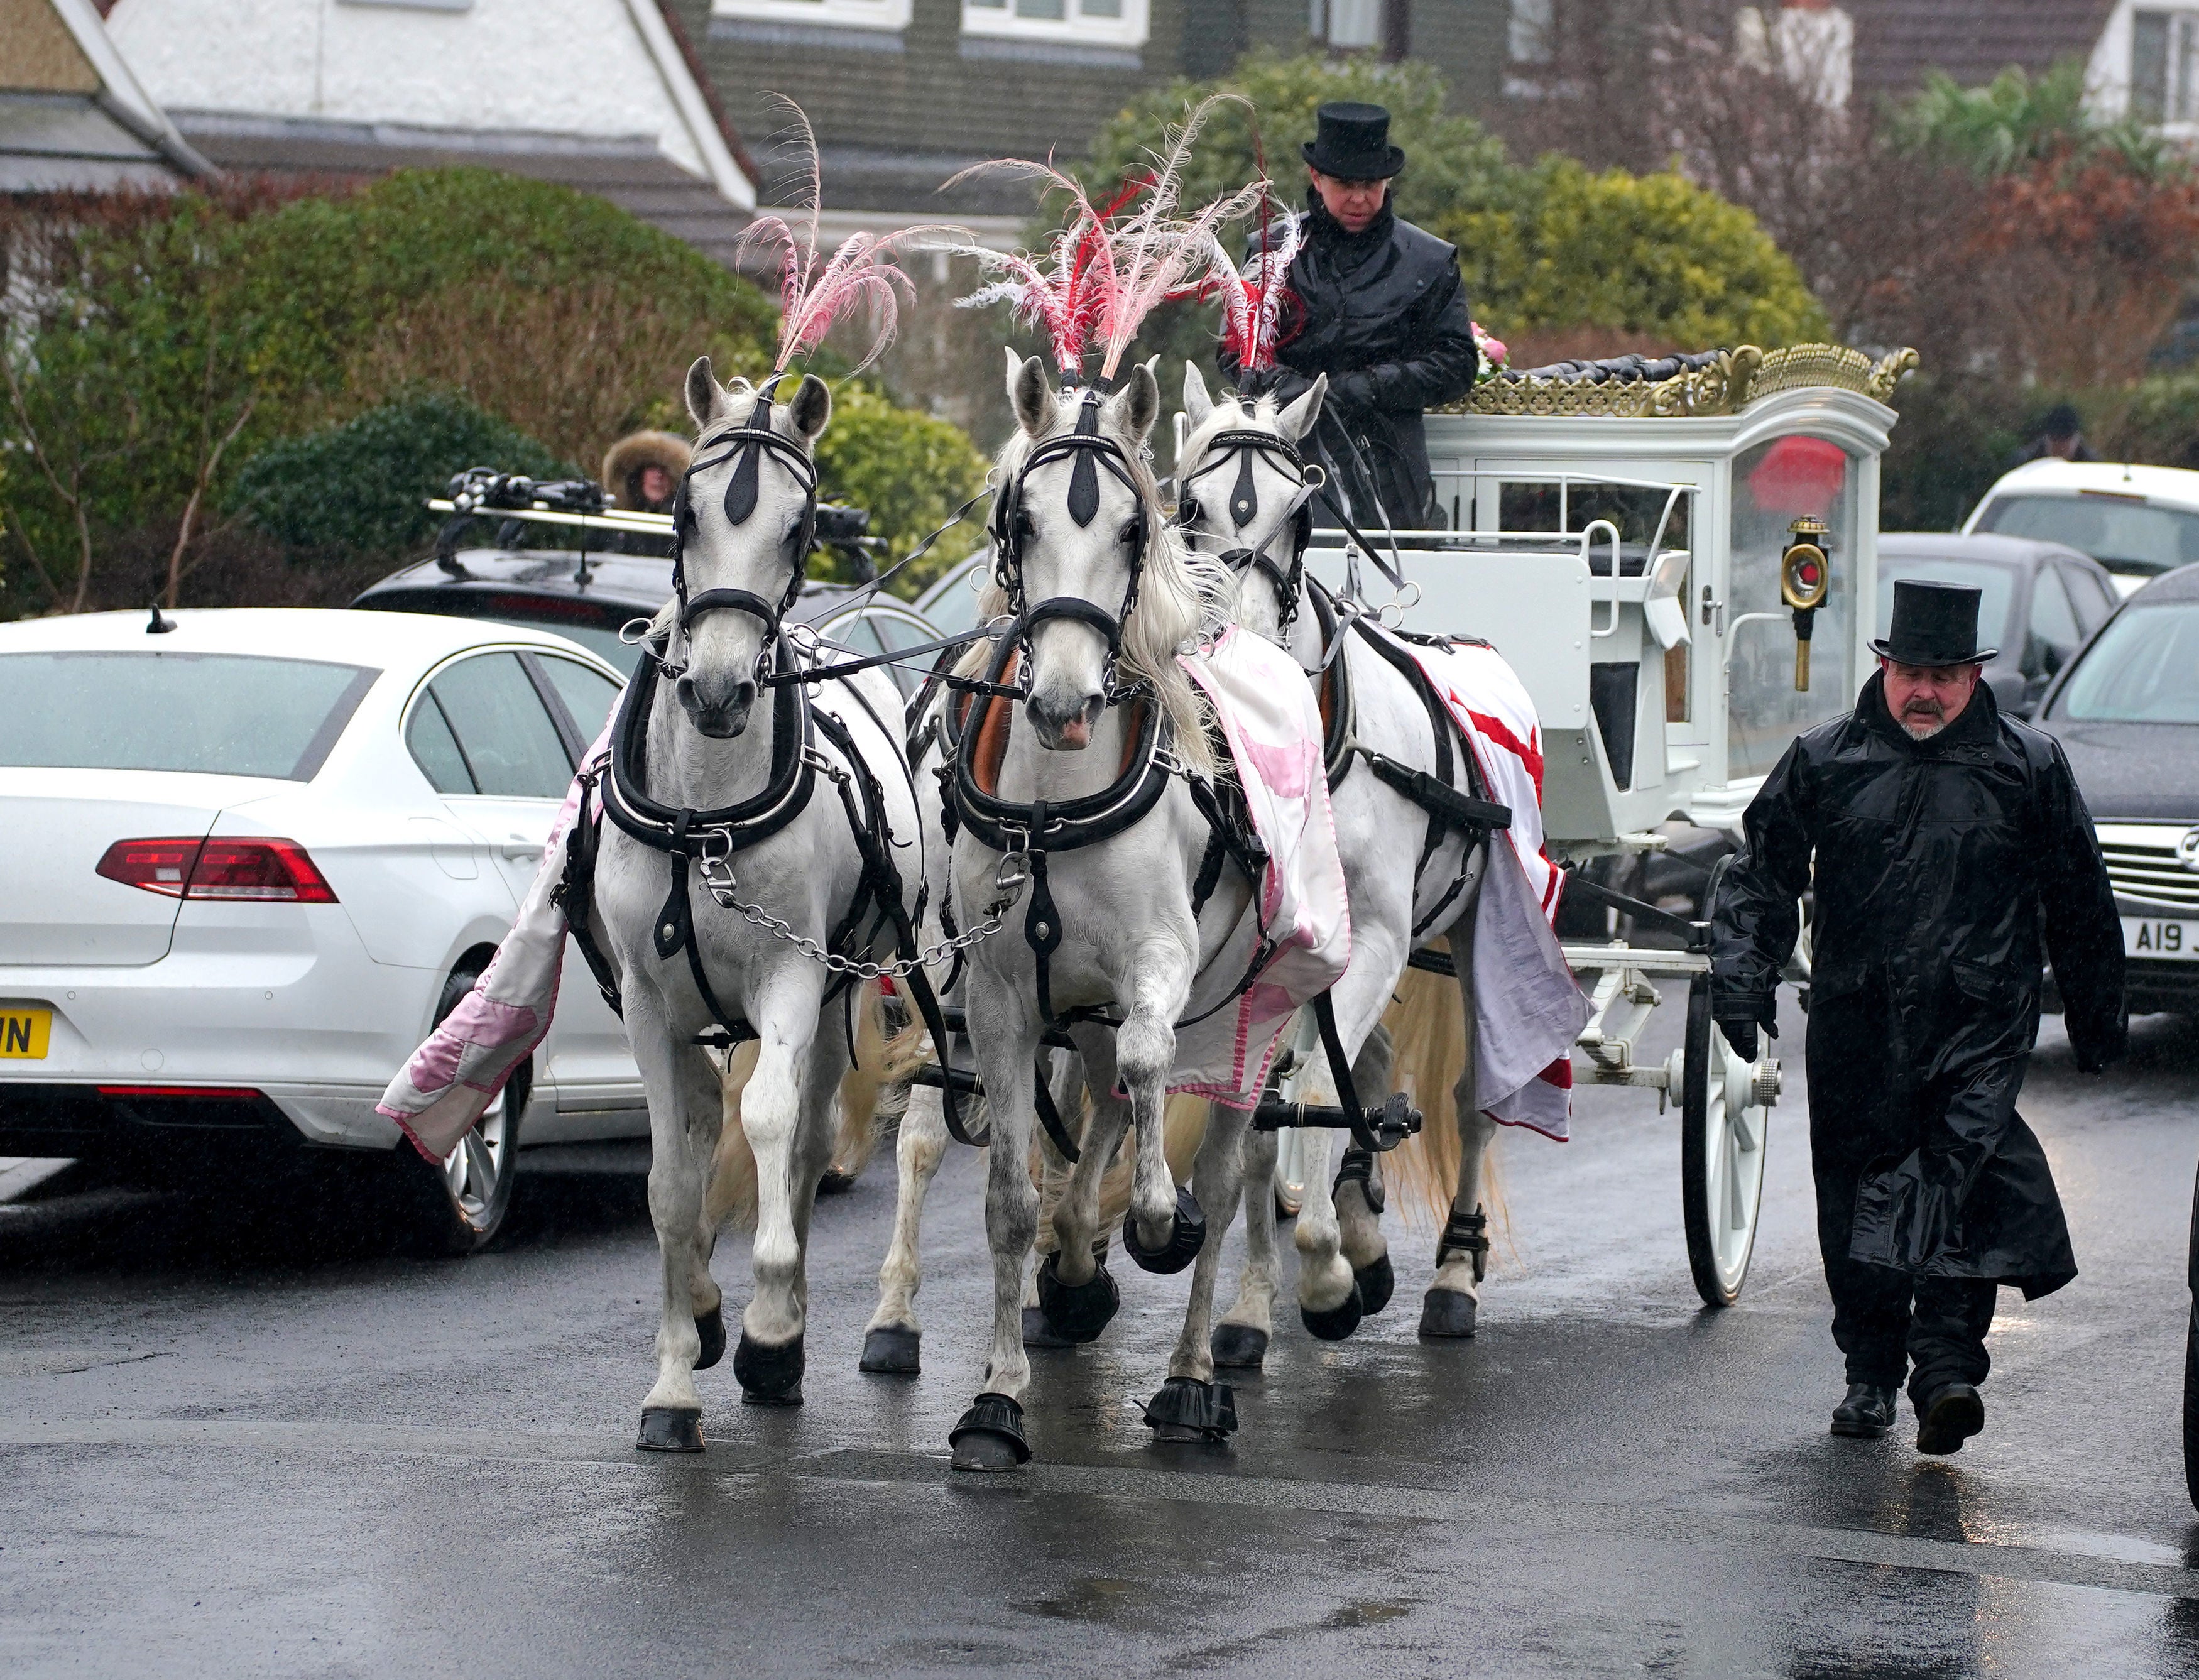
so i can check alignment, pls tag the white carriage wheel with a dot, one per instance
(1723, 1139)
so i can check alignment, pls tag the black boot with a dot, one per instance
(1948, 1416)
(1868, 1411)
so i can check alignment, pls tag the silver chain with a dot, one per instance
(1015, 869)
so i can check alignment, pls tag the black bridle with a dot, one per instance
(1243, 507)
(745, 446)
(1091, 450)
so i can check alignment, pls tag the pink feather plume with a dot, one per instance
(1105, 271)
(817, 292)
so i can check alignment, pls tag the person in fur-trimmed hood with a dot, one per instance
(642, 471)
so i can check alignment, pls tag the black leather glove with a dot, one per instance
(1353, 390)
(1739, 1025)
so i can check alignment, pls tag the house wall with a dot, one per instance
(539, 67)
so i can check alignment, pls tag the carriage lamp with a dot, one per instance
(1804, 575)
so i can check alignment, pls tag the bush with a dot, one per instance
(152, 342)
(910, 470)
(1649, 255)
(360, 486)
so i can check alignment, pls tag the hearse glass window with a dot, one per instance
(1101, 23)
(1643, 515)
(1775, 484)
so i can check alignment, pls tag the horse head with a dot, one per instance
(742, 528)
(1240, 480)
(1077, 531)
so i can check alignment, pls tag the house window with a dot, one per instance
(1534, 25)
(2165, 66)
(1346, 23)
(832, 14)
(1112, 23)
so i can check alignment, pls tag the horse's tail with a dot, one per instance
(732, 1192)
(1427, 1034)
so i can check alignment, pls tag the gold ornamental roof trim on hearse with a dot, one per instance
(1726, 382)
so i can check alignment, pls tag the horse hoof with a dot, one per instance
(1187, 1409)
(1447, 1314)
(1377, 1283)
(1187, 1236)
(1077, 1312)
(989, 1436)
(670, 1429)
(769, 1376)
(1339, 1321)
(1238, 1347)
(1038, 1333)
(835, 1182)
(890, 1350)
(711, 1327)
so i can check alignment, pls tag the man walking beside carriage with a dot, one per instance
(1941, 839)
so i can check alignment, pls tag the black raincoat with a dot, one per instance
(1939, 866)
(1383, 313)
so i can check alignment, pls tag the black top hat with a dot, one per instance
(1353, 143)
(1934, 624)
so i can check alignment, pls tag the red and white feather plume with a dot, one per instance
(1253, 297)
(1111, 266)
(817, 292)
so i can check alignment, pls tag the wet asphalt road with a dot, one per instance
(230, 1448)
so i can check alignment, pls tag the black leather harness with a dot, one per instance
(709, 840)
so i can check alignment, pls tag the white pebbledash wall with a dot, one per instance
(593, 69)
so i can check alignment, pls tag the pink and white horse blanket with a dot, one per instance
(451, 1079)
(1528, 1009)
(1271, 720)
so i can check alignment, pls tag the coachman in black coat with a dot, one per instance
(1383, 313)
(1939, 864)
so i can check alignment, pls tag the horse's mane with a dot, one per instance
(1183, 599)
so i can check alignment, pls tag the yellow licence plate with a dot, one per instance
(24, 1033)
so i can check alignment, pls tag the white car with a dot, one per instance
(248, 862)
(2137, 522)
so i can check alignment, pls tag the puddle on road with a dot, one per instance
(1366, 1612)
(1094, 1599)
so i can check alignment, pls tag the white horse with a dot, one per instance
(745, 817)
(1107, 597)
(1241, 484)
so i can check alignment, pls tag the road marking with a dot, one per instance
(1397, 1501)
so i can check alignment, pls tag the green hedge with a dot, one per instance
(361, 487)
(154, 330)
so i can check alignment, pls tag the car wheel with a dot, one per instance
(458, 1208)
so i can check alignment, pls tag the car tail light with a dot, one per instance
(157, 866)
(259, 870)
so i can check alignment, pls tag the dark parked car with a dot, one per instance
(2042, 600)
(2126, 712)
(588, 595)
